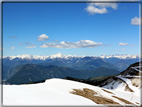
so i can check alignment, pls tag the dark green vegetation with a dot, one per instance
(5, 68)
(34, 72)
(102, 71)
(100, 78)
(8, 71)
(92, 81)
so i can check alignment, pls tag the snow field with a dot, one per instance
(56, 92)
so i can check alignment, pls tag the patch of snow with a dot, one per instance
(135, 89)
(54, 92)
(115, 86)
(135, 68)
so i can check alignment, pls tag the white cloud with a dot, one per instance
(42, 37)
(93, 10)
(31, 46)
(66, 44)
(100, 8)
(135, 21)
(112, 5)
(12, 47)
(123, 44)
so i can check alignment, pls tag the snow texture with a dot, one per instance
(56, 92)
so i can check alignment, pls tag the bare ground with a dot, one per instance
(90, 94)
(123, 100)
(128, 89)
(107, 91)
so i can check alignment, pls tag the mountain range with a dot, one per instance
(60, 55)
(118, 62)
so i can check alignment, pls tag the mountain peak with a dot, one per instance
(120, 56)
(60, 55)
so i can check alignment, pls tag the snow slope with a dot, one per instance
(57, 92)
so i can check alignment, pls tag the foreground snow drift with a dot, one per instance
(57, 92)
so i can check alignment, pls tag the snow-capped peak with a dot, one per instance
(40, 57)
(120, 56)
(27, 56)
(60, 55)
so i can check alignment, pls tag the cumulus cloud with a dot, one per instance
(31, 46)
(42, 37)
(78, 44)
(125, 44)
(111, 5)
(13, 37)
(93, 10)
(12, 47)
(135, 21)
(100, 8)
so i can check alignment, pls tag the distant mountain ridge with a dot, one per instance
(60, 55)
(121, 61)
(74, 62)
(81, 63)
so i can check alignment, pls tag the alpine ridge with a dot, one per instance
(60, 55)
(127, 81)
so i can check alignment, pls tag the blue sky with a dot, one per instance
(70, 28)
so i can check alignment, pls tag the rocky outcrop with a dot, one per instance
(129, 80)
